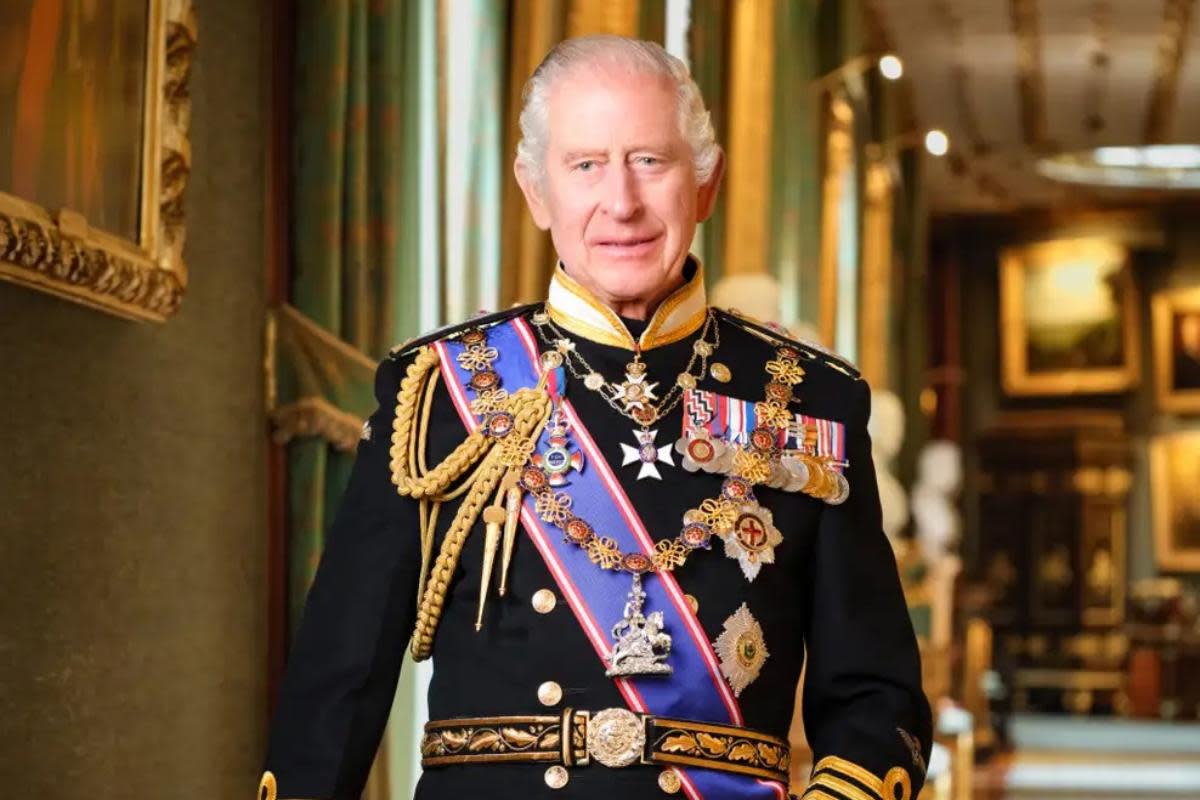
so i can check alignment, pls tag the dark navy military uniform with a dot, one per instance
(832, 593)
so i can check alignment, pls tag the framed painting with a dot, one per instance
(1174, 476)
(1068, 318)
(1176, 320)
(94, 155)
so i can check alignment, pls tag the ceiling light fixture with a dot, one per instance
(1167, 166)
(891, 67)
(937, 142)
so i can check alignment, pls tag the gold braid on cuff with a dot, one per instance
(835, 778)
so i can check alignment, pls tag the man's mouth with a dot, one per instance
(627, 245)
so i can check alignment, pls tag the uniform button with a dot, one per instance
(557, 777)
(668, 781)
(549, 693)
(692, 602)
(544, 601)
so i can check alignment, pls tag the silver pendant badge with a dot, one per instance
(642, 646)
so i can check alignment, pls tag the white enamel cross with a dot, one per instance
(648, 453)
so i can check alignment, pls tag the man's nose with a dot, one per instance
(621, 197)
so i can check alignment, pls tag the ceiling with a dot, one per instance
(1010, 80)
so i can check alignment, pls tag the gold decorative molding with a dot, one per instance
(319, 363)
(1174, 468)
(1018, 377)
(750, 103)
(316, 416)
(617, 17)
(60, 253)
(528, 259)
(1164, 308)
(1031, 85)
(838, 160)
(1172, 45)
(876, 301)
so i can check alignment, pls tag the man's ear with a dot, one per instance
(706, 198)
(533, 195)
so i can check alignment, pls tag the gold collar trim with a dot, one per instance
(574, 308)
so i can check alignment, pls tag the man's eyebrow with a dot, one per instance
(576, 154)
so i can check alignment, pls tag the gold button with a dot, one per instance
(720, 372)
(692, 602)
(266, 787)
(557, 777)
(544, 601)
(668, 781)
(550, 693)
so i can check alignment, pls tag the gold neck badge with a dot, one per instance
(575, 309)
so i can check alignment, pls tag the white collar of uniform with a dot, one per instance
(577, 310)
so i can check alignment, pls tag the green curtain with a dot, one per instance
(795, 230)
(344, 231)
(397, 158)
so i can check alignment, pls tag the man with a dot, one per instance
(619, 520)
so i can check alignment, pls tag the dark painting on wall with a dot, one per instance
(1175, 474)
(1177, 349)
(72, 99)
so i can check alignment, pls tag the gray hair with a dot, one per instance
(695, 122)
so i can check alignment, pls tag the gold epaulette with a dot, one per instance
(777, 334)
(481, 320)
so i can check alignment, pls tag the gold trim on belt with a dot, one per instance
(614, 737)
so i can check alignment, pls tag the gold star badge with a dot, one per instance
(741, 649)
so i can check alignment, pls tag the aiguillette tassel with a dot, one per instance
(493, 516)
(512, 506)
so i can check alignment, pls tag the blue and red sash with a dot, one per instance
(696, 690)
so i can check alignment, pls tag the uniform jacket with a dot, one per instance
(831, 599)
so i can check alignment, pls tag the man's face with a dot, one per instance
(619, 196)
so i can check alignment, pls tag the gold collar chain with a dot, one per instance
(633, 397)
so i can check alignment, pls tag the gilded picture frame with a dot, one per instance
(65, 114)
(1175, 317)
(1068, 318)
(1175, 504)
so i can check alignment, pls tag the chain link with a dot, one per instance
(578, 366)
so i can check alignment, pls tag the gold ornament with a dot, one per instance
(720, 372)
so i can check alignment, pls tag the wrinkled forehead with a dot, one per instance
(603, 102)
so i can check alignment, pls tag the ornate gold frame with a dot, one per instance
(1016, 377)
(1168, 557)
(1162, 309)
(58, 252)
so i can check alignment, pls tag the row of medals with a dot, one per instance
(745, 527)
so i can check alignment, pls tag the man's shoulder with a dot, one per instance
(481, 320)
(770, 337)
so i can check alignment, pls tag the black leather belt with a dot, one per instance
(614, 737)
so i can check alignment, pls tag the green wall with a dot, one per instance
(132, 497)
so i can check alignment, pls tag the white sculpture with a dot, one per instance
(886, 427)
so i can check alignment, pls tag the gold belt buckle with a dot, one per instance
(616, 737)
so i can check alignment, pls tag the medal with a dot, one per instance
(635, 392)
(557, 459)
(741, 649)
(647, 454)
(641, 646)
(752, 539)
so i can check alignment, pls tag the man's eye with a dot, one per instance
(648, 160)
(585, 166)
